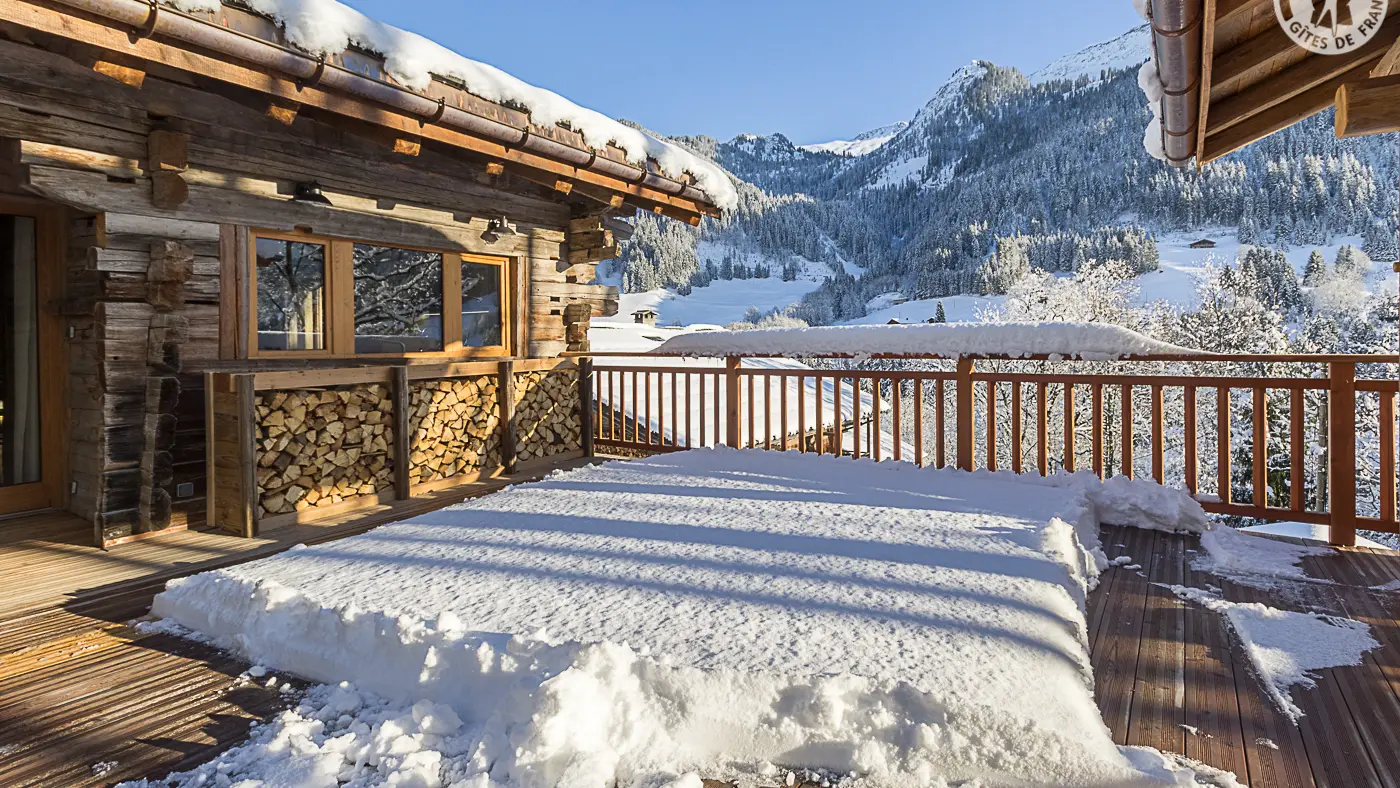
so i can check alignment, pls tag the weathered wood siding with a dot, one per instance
(155, 177)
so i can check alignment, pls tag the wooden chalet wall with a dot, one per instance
(162, 175)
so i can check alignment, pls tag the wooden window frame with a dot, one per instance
(340, 300)
(51, 489)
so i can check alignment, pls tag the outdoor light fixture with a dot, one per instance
(497, 228)
(310, 191)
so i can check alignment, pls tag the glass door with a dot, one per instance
(21, 434)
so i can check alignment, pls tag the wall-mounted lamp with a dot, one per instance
(497, 228)
(310, 191)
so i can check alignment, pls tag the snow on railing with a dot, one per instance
(1299, 438)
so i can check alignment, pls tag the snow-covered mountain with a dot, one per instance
(866, 142)
(1051, 165)
(1126, 51)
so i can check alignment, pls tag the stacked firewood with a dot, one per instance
(454, 428)
(546, 414)
(318, 448)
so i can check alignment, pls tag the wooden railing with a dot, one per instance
(1291, 443)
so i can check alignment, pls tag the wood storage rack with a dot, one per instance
(289, 447)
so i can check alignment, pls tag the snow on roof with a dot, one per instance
(1090, 341)
(328, 27)
(714, 612)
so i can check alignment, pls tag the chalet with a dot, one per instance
(251, 277)
(645, 317)
(1204, 243)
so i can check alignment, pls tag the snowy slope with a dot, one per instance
(712, 613)
(867, 142)
(1175, 283)
(1126, 51)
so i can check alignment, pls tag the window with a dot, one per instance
(318, 296)
(398, 300)
(291, 278)
(481, 304)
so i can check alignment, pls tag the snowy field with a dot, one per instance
(714, 613)
(1174, 283)
(726, 301)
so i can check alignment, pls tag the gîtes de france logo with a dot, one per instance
(1331, 27)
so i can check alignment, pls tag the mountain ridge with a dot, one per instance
(995, 154)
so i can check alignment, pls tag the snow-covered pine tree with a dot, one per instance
(1316, 271)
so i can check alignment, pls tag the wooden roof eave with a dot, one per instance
(1257, 81)
(647, 190)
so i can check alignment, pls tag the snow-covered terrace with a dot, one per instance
(776, 618)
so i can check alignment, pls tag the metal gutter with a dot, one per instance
(148, 17)
(1176, 44)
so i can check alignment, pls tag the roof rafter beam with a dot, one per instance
(1280, 116)
(1253, 53)
(1389, 63)
(1311, 72)
(1370, 106)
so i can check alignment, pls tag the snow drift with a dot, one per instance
(709, 613)
(1089, 341)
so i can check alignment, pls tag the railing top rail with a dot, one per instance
(1288, 358)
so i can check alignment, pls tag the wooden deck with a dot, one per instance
(1169, 676)
(48, 559)
(85, 699)
(79, 687)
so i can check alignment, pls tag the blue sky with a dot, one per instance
(815, 70)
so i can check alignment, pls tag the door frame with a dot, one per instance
(49, 492)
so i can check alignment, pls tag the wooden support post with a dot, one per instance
(919, 422)
(402, 440)
(966, 420)
(505, 394)
(1125, 453)
(585, 403)
(1042, 428)
(1296, 452)
(1342, 451)
(210, 504)
(1068, 459)
(247, 407)
(1222, 445)
(1191, 449)
(1015, 427)
(1096, 429)
(1388, 454)
(1260, 441)
(1159, 436)
(731, 409)
(991, 435)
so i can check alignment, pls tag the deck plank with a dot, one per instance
(1115, 659)
(1212, 700)
(1159, 686)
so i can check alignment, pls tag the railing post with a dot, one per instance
(585, 405)
(966, 418)
(731, 394)
(505, 394)
(1341, 453)
(402, 448)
